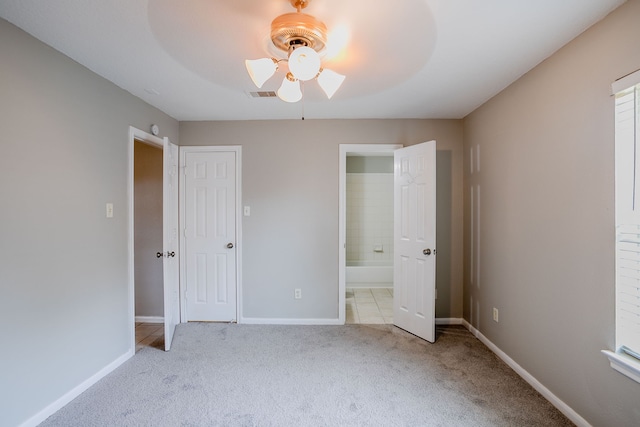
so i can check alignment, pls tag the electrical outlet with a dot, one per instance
(495, 314)
(297, 294)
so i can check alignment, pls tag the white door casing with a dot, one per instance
(170, 261)
(415, 239)
(211, 238)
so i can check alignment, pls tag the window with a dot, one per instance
(626, 358)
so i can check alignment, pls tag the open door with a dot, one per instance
(170, 241)
(415, 239)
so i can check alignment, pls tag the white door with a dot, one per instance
(210, 235)
(414, 239)
(170, 262)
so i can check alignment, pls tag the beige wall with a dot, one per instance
(63, 265)
(546, 220)
(290, 180)
(545, 236)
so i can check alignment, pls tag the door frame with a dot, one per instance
(147, 138)
(346, 150)
(181, 196)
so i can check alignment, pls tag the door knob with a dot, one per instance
(427, 252)
(230, 245)
(171, 254)
(158, 254)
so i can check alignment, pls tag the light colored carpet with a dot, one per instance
(353, 375)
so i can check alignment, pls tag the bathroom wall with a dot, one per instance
(369, 210)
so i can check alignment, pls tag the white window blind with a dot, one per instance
(628, 219)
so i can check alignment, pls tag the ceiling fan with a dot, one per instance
(303, 38)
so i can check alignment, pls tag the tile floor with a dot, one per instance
(369, 305)
(149, 335)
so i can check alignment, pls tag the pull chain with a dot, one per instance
(302, 90)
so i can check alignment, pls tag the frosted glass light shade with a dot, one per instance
(330, 82)
(304, 63)
(260, 70)
(290, 91)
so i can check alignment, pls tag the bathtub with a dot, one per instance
(367, 274)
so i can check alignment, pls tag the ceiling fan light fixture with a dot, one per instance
(330, 81)
(261, 70)
(303, 39)
(290, 89)
(304, 63)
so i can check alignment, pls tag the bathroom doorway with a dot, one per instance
(366, 233)
(369, 251)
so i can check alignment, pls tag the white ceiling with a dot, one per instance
(402, 58)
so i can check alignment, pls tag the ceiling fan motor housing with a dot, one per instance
(297, 29)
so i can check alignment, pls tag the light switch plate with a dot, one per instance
(109, 210)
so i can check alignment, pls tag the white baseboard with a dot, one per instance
(555, 400)
(149, 319)
(270, 321)
(448, 321)
(369, 285)
(76, 391)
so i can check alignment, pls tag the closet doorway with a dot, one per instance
(148, 269)
(166, 253)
